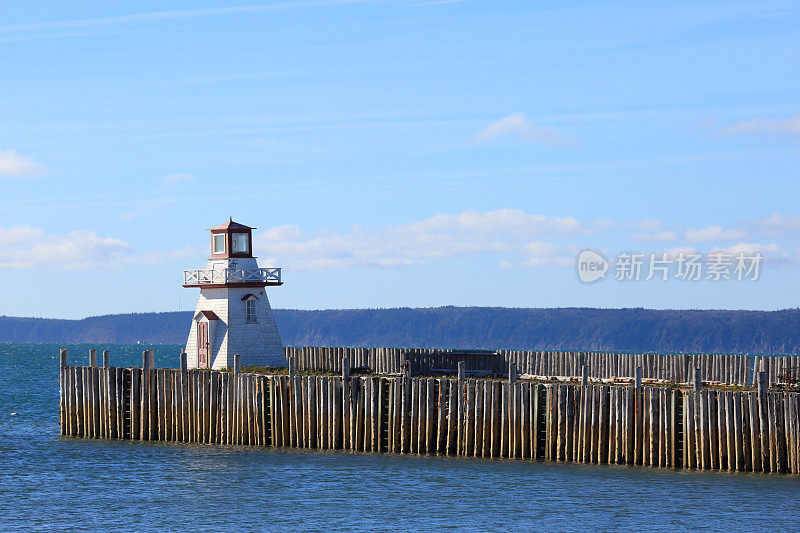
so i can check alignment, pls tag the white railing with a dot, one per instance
(211, 276)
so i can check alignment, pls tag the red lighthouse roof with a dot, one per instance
(230, 225)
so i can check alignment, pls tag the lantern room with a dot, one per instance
(231, 239)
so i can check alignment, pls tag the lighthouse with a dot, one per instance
(233, 315)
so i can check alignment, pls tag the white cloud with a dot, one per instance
(13, 164)
(542, 253)
(713, 233)
(773, 254)
(517, 125)
(789, 127)
(777, 225)
(504, 231)
(29, 247)
(176, 177)
(657, 236)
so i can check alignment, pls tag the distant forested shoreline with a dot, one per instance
(696, 331)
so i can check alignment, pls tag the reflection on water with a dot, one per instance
(53, 482)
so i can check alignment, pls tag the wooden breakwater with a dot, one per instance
(677, 368)
(690, 428)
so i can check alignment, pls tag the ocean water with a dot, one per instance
(49, 482)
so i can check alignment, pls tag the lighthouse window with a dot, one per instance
(250, 311)
(219, 244)
(239, 243)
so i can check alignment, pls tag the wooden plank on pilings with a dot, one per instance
(560, 422)
(422, 415)
(603, 420)
(569, 452)
(704, 460)
(366, 441)
(336, 441)
(478, 426)
(405, 411)
(780, 433)
(619, 444)
(713, 433)
(135, 404)
(469, 420)
(358, 411)
(505, 404)
(113, 400)
(460, 408)
(548, 423)
(763, 414)
(345, 362)
(430, 446)
(214, 411)
(689, 441)
(729, 441)
(630, 425)
(81, 396)
(525, 422)
(495, 418)
(222, 407)
(771, 425)
(62, 391)
(397, 409)
(638, 405)
(303, 413)
(145, 403)
(414, 416)
(610, 456)
(324, 413)
(70, 407)
(486, 447)
(287, 420)
(739, 432)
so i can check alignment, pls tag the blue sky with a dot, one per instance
(396, 153)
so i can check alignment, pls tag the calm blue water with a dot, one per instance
(48, 482)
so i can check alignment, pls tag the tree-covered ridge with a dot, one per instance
(706, 331)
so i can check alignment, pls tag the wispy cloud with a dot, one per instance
(518, 126)
(29, 247)
(713, 233)
(13, 164)
(657, 231)
(176, 177)
(35, 29)
(504, 231)
(789, 127)
(777, 225)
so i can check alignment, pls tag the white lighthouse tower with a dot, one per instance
(233, 315)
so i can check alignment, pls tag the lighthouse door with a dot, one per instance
(202, 344)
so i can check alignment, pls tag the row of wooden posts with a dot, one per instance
(694, 427)
(675, 368)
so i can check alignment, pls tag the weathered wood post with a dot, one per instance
(183, 364)
(639, 416)
(292, 368)
(148, 360)
(511, 407)
(63, 390)
(460, 407)
(584, 376)
(92, 357)
(698, 383)
(106, 359)
(345, 402)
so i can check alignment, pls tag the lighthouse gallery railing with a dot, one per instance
(209, 276)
